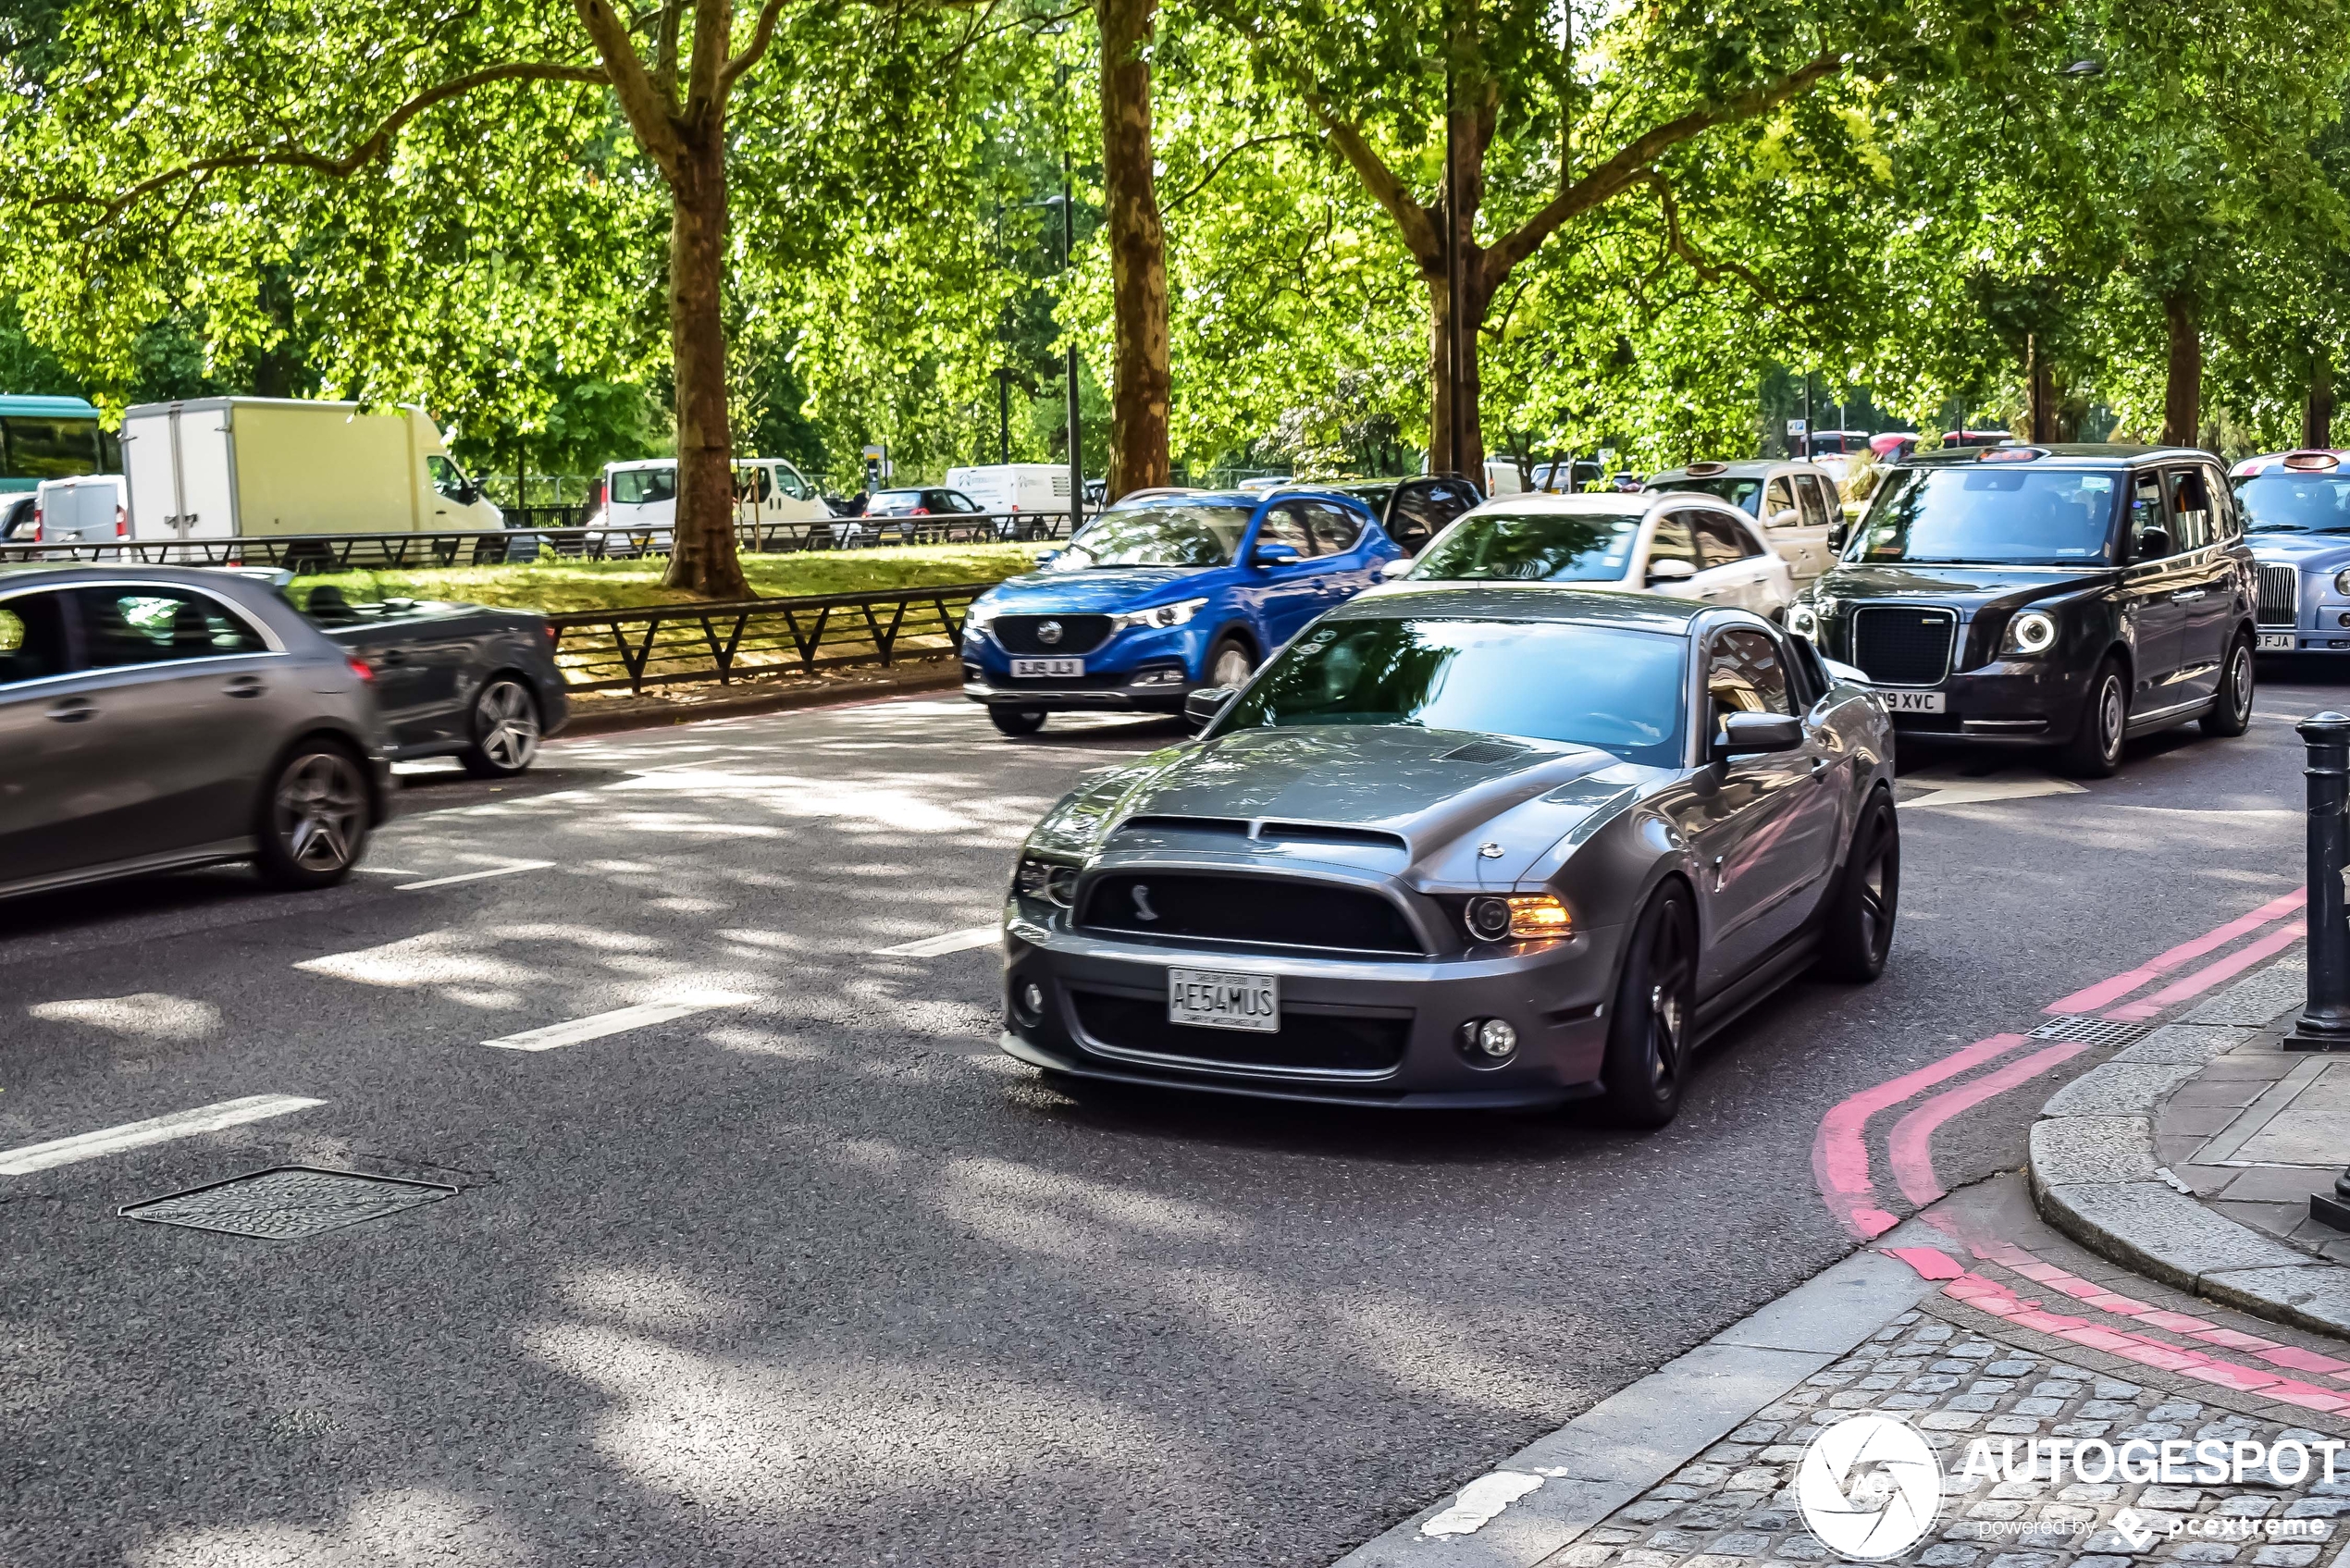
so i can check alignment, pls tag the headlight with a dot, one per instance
(1054, 884)
(2035, 630)
(1525, 917)
(980, 616)
(1159, 615)
(1802, 621)
(2341, 582)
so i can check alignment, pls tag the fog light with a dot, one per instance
(1028, 1003)
(1488, 1041)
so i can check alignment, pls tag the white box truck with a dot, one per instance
(214, 468)
(1023, 488)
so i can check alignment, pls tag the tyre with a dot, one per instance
(1653, 1014)
(2231, 713)
(505, 730)
(1017, 720)
(313, 818)
(2094, 750)
(1859, 930)
(1230, 663)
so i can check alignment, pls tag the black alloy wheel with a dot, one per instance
(1859, 931)
(2094, 750)
(1016, 720)
(2231, 713)
(1650, 1036)
(313, 822)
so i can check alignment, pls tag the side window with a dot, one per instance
(754, 484)
(2225, 526)
(1335, 528)
(155, 624)
(1285, 526)
(1673, 542)
(1776, 500)
(1420, 513)
(1819, 506)
(447, 477)
(2146, 511)
(32, 637)
(1719, 541)
(1746, 675)
(2190, 509)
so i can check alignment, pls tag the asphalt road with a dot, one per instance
(811, 1273)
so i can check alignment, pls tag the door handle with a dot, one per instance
(244, 686)
(72, 709)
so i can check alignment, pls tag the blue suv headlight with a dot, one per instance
(1159, 615)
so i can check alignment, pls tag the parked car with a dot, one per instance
(1149, 602)
(2296, 519)
(1408, 866)
(930, 506)
(156, 718)
(1682, 545)
(2065, 596)
(91, 509)
(1795, 502)
(453, 680)
(1412, 511)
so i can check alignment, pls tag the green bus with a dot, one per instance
(52, 438)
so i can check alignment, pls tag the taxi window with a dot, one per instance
(2190, 509)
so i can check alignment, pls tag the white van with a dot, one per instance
(1003, 487)
(81, 511)
(643, 495)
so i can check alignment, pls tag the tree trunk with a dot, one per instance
(1140, 381)
(2183, 393)
(2317, 414)
(2039, 392)
(1469, 462)
(702, 558)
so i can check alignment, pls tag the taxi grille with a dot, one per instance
(1262, 911)
(1307, 1041)
(1078, 634)
(2279, 596)
(1901, 646)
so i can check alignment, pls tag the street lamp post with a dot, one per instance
(1076, 432)
(1456, 426)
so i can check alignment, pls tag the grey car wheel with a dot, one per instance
(314, 819)
(2231, 713)
(505, 730)
(2095, 751)
(1230, 665)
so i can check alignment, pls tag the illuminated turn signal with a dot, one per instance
(1540, 915)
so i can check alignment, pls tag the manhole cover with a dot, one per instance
(287, 1203)
(2083, 1029)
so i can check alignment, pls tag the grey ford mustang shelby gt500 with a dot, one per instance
(1464, 846)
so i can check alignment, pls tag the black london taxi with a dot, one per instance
(2069, 596)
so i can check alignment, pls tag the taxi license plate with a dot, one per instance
(1047, 669)
(2278, 642)
(1911, 701)
(1224, 999)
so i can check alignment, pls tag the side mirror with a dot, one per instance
(1837, 534)
(1399, 567)
(1275, 555)
(2153, 544)
(1786, 517)
(1670, 572)
(1748, 735)
(1201, 708)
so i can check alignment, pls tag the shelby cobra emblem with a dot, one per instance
(1143, 909)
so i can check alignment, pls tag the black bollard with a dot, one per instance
(2324, 1024)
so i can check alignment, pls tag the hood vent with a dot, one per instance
(1484, 751)
(1327, 832)
(1231, 827)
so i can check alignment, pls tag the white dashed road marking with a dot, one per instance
(156, 1130)
(476, 876)
(950, 941)
(596, 1025)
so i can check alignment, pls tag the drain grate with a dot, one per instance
(287, 1203)
(2083, 1029)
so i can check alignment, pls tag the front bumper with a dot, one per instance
(2019, 702)
(1104, 1000)
(1145, 668)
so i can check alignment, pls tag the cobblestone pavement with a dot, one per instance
(1735, 1505)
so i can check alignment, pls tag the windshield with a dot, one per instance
(1579, 547)
(2286, 500)
(643, 486)
(48, 448)
(1992, 516)
(1158, 536)
(1586, 686)
(1743, 494)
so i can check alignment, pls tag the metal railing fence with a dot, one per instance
(664, 645)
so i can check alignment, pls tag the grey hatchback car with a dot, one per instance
(1464, 846)
(154, 718)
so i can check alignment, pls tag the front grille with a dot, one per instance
(2279, 596)
(1307, 1041)
(1897, 646)
(1080, 634)
(1266, 911)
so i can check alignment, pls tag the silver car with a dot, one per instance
(154, 718)
(1464, 846)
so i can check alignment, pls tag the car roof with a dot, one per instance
(34, 574)
(1530, 601)
(37, 406)
(1745, 468)
(2069, 454)
(2260, 463)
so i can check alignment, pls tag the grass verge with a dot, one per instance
(619, 585)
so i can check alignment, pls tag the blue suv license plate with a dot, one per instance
(1047, 669)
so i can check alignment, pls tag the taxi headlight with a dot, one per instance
(2035, 630)
(1802, 621)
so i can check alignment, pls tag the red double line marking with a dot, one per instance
(2106, 991)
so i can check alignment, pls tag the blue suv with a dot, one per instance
(1152, 602)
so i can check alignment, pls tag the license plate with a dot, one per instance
(1224, 999)
(2281, 642)
(1913, 702)
(1047, 669)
